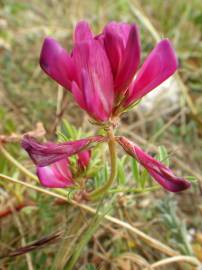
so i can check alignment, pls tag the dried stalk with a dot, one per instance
(16, 138)
(184, 259)
(23, 241)
(149, 240)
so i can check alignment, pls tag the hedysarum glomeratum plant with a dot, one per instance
(102, 74)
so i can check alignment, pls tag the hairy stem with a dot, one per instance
(113, 159)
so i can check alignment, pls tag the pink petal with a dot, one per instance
(82, 32)
(114, 48)
(84, 158)
(121, 30)
(56, 175)
(96, 103)
(122, 45)
(130, 60)
(44, 154)
(80, 56)
(78, 95)
(115, 40)
(160, 64)
(96, 79)
(162, 174)
(56, 62)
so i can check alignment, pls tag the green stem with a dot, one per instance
(112, 150)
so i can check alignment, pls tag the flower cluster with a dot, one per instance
(101, 73)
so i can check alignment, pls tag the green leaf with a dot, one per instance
(90, 267)
(191, 178)
(68, 130)
(121, 173)
(86, 236)
(135, 169)
(61, 136)
(163, 155)
(105, 173)
(143, 179)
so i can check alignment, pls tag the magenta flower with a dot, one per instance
(44, 154)
(56, 175)
(162, 174)
(101, 73)
(100, 69)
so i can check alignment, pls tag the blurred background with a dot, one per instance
(170, 116)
